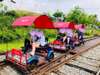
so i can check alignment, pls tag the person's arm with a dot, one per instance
(64, 38)
(68, 39)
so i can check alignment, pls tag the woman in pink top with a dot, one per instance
(81, 31)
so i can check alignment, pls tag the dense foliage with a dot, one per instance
(78, 16)
(58, 15)
(7, 32)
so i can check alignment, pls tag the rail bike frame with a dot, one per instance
(12, 60)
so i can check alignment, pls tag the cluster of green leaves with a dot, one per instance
(78, 16)
(58, 14)
(7, 32)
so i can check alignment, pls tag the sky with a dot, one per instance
(45, 6)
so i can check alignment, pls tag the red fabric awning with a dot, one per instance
(24, 21)
(79, 26)
(43, 22)
(69, 25)
(57, 42)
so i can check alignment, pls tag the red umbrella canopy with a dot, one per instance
(43, 22)
(79, 26)
(69, 25)
(24, 21)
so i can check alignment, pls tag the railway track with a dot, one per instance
(2, 65)
(9, 69)
(98, 73)
(86, 64)
(64, 58)
(61, 58)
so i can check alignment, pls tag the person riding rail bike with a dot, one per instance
(80, 32)
(39, 42)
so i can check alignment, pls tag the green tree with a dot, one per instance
(3, 9)
(78, 16)
(58, 15)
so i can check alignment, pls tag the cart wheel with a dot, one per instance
(67, 47)
(26, 72)
(30, 67)
(66, 50)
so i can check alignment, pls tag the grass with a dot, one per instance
(8, 46)
(15, 44)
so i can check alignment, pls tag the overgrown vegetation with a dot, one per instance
(9, 34)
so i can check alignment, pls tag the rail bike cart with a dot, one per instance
(25, 60)
(57, 44)
(17, 57)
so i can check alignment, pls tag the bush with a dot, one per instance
(7, 33)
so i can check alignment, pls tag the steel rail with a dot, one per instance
(98, 73)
